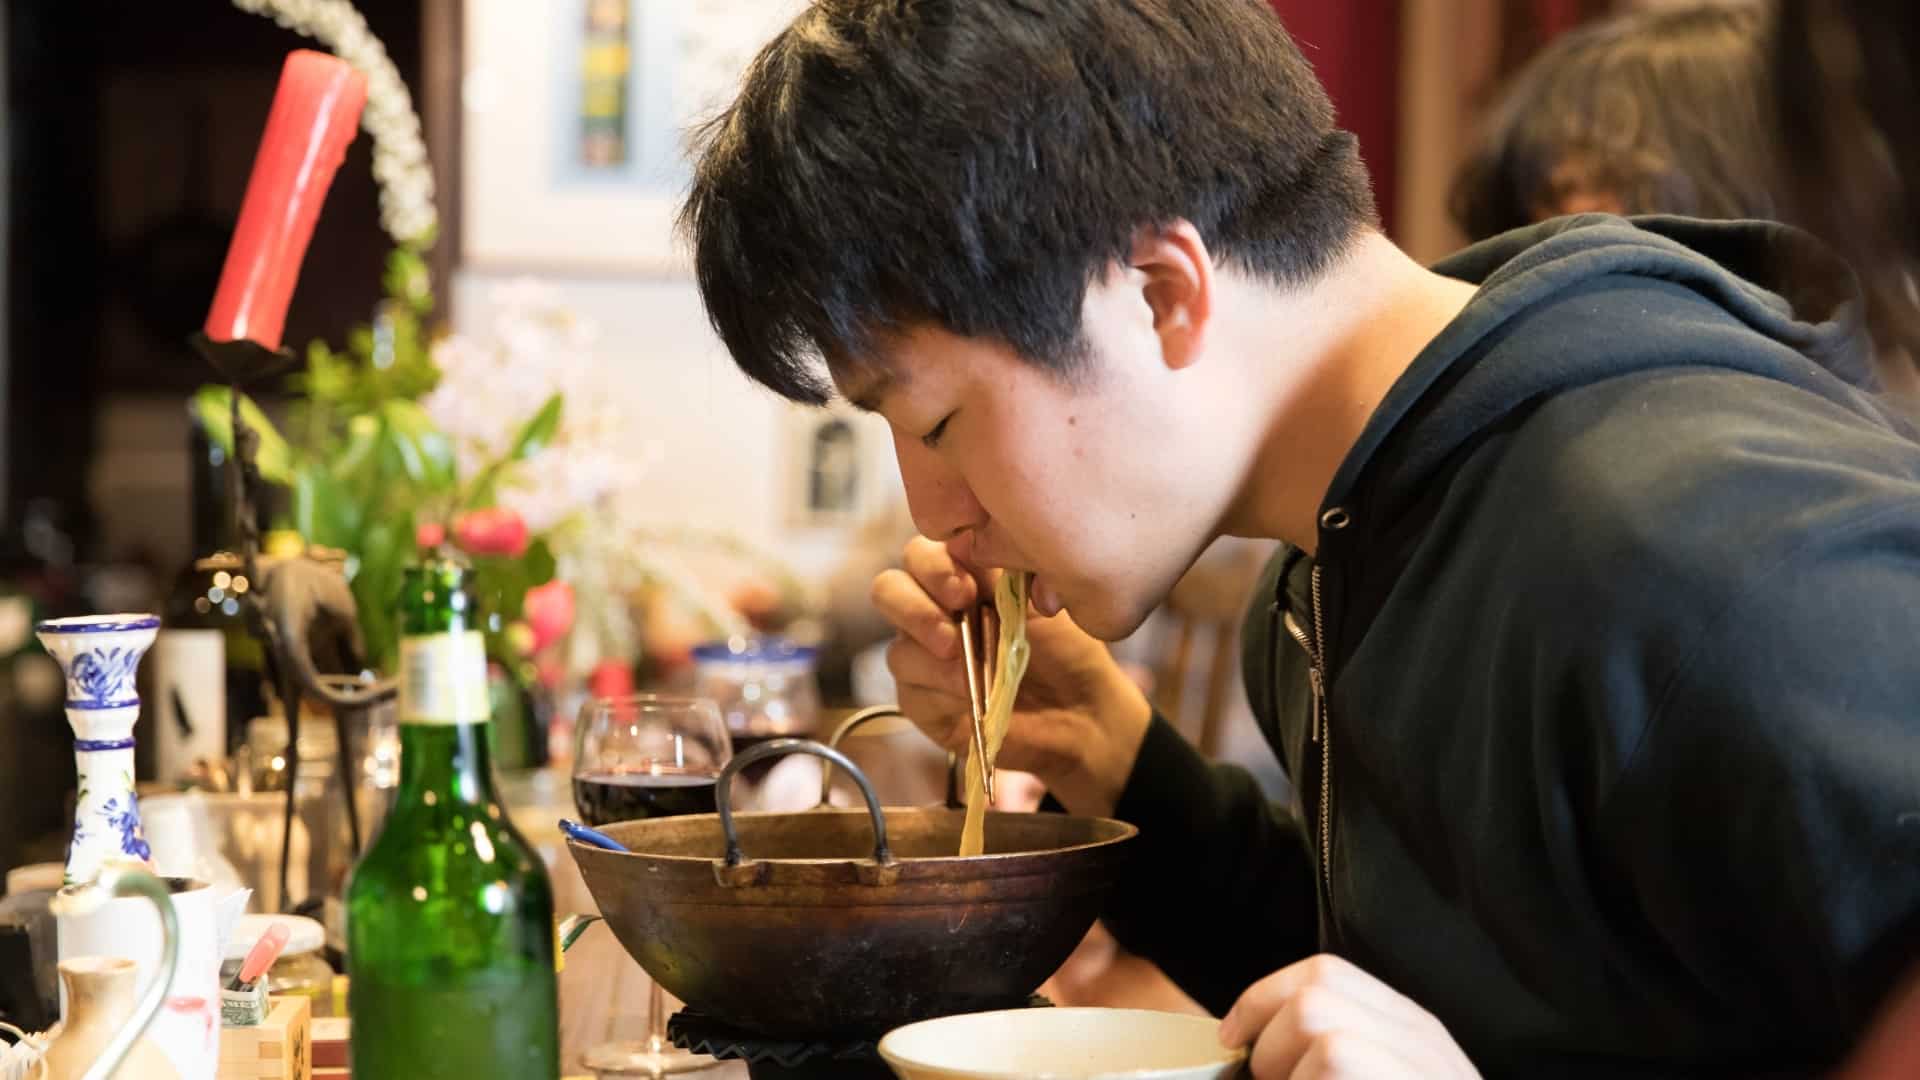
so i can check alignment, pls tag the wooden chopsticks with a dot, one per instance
(976, 651)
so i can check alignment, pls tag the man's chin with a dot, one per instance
(1105, 620)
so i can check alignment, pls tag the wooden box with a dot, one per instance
(279, 1049)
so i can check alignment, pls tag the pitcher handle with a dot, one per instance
(121, 881)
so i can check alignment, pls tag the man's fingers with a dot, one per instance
(905, 604)
(912, 665)
(1323, 1017)
(951, 585)
(1341, 1056)
(1264, 999)
(932, 693)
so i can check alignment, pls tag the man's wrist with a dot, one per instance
(1093, 786)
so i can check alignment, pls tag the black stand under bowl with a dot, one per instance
(784, 1059)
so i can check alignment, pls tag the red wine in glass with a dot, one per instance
(633, 793)
(647, 756)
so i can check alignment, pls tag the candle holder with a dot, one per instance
(99, 655)
(294, 599)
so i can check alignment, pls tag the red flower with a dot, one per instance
(549, 610)
(493, 531)
(610, 678)
(429, 535)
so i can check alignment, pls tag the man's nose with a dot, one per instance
(942, 504)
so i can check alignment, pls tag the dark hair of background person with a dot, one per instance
(1658, 111)
(1845, 86)
(973, 164)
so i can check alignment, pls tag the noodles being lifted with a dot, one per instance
(1010, 664)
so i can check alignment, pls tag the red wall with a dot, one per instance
(1355, 47)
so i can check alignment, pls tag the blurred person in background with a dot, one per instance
(1845, 79)
(1845, 87)
(1657, 111)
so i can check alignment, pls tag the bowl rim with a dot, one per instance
(892, 1056)
(1125, 833)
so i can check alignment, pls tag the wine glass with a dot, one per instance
(647, 756)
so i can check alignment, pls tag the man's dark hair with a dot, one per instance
(974, 164)
(1664, 110)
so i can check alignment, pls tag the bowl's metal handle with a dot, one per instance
(846, 728)
(879, 712)
(781, 748)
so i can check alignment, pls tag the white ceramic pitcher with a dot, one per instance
(187, 1028)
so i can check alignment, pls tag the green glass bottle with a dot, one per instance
(450, 933)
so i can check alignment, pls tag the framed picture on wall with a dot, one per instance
(575, 121)
(839, 468)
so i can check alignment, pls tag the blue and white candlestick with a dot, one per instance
(100, 655)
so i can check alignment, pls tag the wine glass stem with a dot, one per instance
(656, 1018)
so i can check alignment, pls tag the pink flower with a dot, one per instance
(493, 531)
(429, 535)
(549, 610)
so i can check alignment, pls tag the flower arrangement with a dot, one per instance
(368, 468)
(584, 490)
(372, 474)
(410, 439)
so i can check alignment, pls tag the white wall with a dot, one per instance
(722, 444)
(607, 248)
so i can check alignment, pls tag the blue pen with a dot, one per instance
(591, 836)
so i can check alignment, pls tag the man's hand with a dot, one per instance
(1079, 720)
(1324, 1018)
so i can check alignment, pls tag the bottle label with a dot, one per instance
(443, 679)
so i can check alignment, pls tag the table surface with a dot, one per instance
(603, 993)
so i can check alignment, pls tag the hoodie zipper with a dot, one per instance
(1317, 731)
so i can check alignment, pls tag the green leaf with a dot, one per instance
(431, 448)
(500, 584)
(213, 405)
(360, 342)
(407, 280)
(323, 511)
(363, 439)
(385, 547)
(531, 439)
(537, 432)
(406, 452)
(306, 506)
(538, 564)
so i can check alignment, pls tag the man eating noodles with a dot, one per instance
(1598, 697)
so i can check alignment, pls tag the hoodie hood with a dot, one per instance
(1753, 297)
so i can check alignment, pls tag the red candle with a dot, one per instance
(315, 113)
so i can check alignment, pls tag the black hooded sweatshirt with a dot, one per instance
(1617, 607)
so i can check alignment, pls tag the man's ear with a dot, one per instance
(1175, 272)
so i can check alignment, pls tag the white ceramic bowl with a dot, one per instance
(1061, 1044)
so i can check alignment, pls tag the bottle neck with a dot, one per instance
(442, 764)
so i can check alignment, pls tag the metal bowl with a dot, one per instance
(841, 923)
